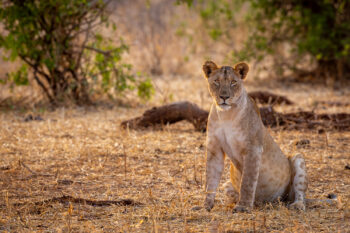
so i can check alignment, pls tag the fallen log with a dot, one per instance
(169, 114)
(178, 111)
(264, 97)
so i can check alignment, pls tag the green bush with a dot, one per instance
(56, 41)
(318, 29)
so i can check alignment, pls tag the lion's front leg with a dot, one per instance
(214, 168)
(250, 175)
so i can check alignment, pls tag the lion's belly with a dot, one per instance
(274, 177)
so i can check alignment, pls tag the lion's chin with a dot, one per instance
(224, 107)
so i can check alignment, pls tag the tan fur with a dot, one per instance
(259, 170)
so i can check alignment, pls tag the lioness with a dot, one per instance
(260, 172)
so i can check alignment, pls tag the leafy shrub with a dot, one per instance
(316, 29)
(55, 40)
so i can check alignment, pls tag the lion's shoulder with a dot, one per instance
(256, 108)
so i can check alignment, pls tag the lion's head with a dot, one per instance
(225, 83)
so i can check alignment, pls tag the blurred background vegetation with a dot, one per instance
(81, 51)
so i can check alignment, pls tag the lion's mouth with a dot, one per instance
(224, 106)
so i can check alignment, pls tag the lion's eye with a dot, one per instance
(216, 82)
(233, 83)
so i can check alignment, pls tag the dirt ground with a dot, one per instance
(75, 170)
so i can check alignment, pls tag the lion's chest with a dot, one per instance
(231, 139)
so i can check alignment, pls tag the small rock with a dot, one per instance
(38, 118)
(157, 150)
(30, 117)
(196, 208)
(67, 136)
(321, 131)
(64, 182)
(332, 196)
(302, 142)
(3, 168)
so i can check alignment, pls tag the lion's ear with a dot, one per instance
(209, 67)
(242, 69)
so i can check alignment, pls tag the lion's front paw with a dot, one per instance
(209, 204)
(297, 205)
(241, 209)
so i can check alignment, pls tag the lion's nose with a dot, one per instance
(224, 97)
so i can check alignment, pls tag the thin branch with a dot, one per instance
(34, 66)
(30, 170)
(36, 70)
(104, 52)
(43, 87)
(26, 167)
(78, 62)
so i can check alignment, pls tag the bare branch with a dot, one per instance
(52, 100)
(104, 52)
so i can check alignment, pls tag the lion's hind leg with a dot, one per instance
(299, 182)
(231, 187)
(232, 195)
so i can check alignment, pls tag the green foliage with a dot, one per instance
(20, 77)
(56, 41)
(188, 2)
(318, 29)
(145, 90)
(217, 16)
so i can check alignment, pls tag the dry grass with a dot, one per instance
(82, 153)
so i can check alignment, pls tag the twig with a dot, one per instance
(30, 170)
(26, 167)
(124, 163)
(66, 199)
(106, 53)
